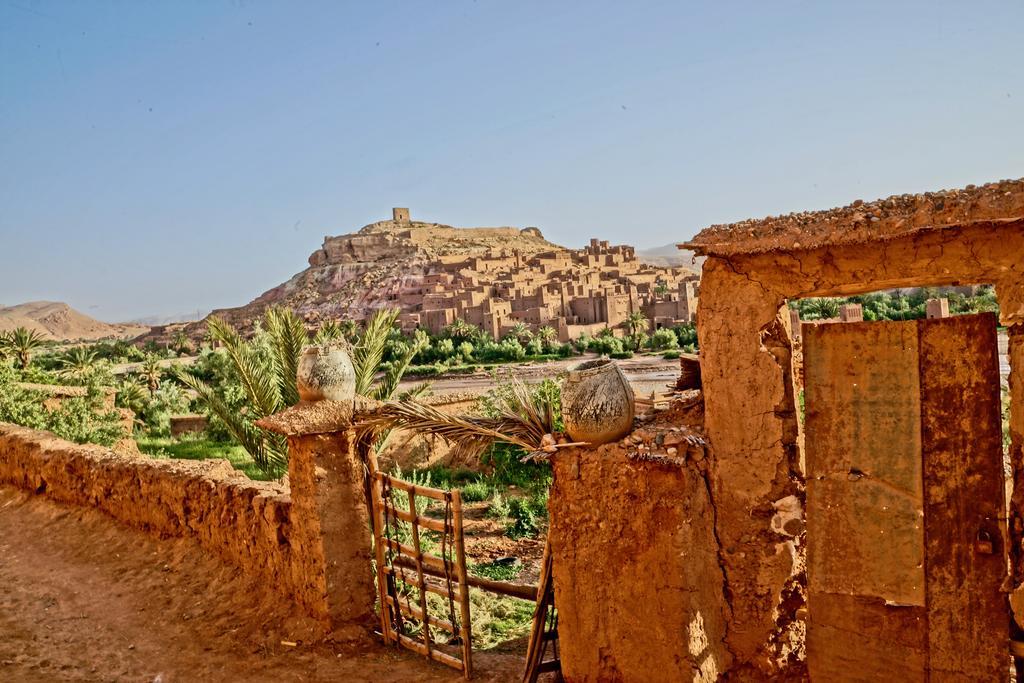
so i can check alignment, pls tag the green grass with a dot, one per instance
(193, 448)
(476, 491)
(496, 571)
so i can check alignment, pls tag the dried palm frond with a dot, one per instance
(468, 435)
(523, 419)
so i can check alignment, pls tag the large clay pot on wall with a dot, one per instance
(597, 402)
(326, 373)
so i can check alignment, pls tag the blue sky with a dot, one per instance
(162, 157)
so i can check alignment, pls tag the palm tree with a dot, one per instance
(131, 395)
(21, 342)
(460, 330)
(150, 372)
(268, 376)
(548, 336)
(329, 331)
(78, 362)
(823, 308)
(181, 342)
(523, 417)
(636, 324)
(521, 333)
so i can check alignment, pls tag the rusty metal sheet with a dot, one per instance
(968, 621)
(864, 480)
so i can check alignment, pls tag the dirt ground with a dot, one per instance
(645, 374)
(83, 598)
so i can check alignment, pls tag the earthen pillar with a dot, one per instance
(751, 421)
(330, 519)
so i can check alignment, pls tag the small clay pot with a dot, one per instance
(326, 373)
(597, 402)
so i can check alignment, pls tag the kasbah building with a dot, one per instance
(574, 291)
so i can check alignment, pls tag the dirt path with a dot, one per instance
(83, 598)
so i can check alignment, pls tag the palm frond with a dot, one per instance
(268, 451)
(259, 382)
(288, 337)
(388, 384)
(369, 352)
(468, 435)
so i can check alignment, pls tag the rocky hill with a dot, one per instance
(57, 320)
(351, 275)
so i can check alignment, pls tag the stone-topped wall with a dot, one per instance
(638, 583)
(244, 522)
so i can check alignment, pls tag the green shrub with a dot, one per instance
(621, 355)
(687, 335)
(525, 515)
(499, 507)
(82, 419)
(606, 345)
(476, 491)
(671, 355)
(664, 339)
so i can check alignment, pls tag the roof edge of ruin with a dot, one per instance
(997, 204)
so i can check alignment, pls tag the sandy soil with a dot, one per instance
(85, 599)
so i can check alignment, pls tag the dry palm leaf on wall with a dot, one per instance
(524, 419)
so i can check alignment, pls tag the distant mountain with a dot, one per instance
(155, 320)
(669, 255)
(56, 320)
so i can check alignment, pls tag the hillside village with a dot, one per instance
(492, 278)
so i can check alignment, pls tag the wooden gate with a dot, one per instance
(407, 575)
(905, 501)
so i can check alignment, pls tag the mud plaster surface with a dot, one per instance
(637, 579)
(751, 419)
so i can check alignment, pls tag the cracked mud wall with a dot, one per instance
(750, 419)
(637, 577)
(246, 523)
(756, 454)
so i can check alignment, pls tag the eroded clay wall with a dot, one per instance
(637, 580)
(750, 416)
(246, 523)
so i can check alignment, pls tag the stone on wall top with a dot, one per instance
(311, 417)
(883, 219)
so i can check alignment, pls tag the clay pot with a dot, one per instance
(597, 402)
(326, 373)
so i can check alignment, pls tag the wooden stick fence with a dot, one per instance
(400, 564)
(420, 571)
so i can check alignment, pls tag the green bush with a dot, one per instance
(671, 355)
(606, 345)
(621, 355)
(476, 491)
(664, 339)
(499, 507)
(81, 419)
(525, 515)
(687, 335)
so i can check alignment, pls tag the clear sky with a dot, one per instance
(162, 157)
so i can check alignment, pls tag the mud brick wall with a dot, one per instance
(246, 523)
(750, 401)
(638, 583)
